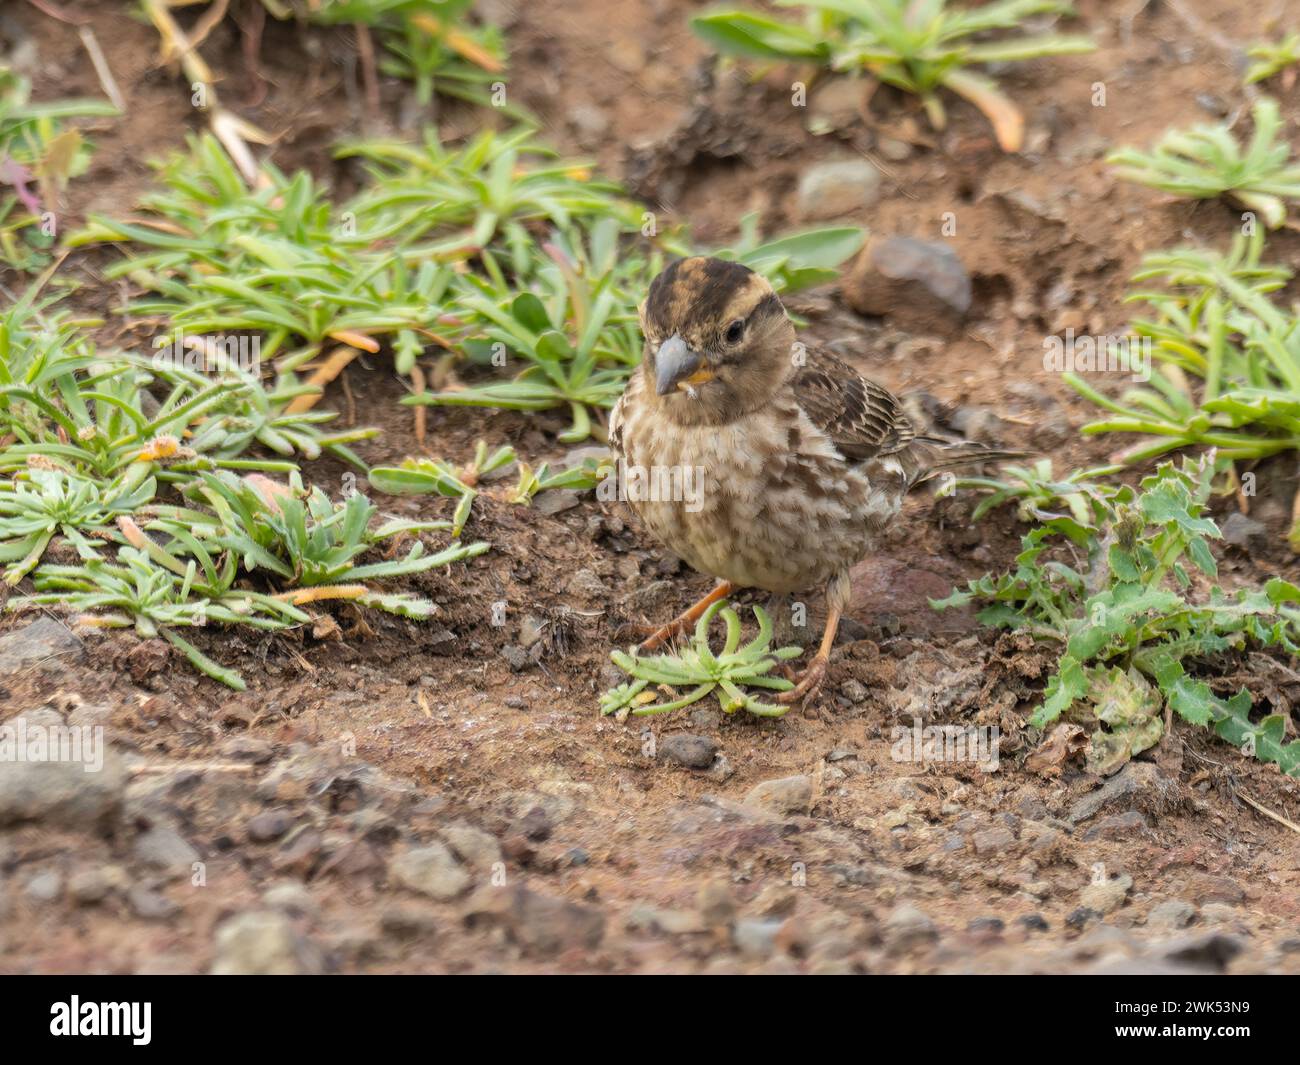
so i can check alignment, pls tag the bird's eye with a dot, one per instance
(735, 331)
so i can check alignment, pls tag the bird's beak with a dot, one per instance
(677, 366)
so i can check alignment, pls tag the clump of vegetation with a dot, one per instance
(919, 46)
(39, 155)
(1119, 606)
(698, 668)
(1208, 161)
(1226, 359)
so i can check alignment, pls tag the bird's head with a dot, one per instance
(718, 343)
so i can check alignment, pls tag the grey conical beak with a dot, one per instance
(674, 362)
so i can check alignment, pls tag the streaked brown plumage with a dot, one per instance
(802, 461)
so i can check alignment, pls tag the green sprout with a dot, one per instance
(700, 670)
(1208, 161)
(919, 46)
(303, 538)
(1271, 59)
(423, 476)
(42, 503)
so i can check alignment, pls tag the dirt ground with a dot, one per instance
(445, 796)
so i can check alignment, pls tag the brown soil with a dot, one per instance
(612, 857)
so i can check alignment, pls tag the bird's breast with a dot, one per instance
(765, 501)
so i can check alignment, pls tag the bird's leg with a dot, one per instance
(837, 598)
(685, 620)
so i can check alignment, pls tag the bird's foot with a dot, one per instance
(656, 638)
(808, 687)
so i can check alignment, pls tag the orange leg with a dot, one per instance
(812, 678)
(684, 621)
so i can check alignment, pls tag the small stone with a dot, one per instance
(429, 870)
(90, 886)
(269, 825)
(478, 849)
(755, 937)
(1128, 825)
(150, 905)
(854, 691)
(163, 848)
(1033, 922)
(291, 897)
(1171, 914)
(715, 902)
(986, 924)
(1242, 531)
(1079, 918)
(536, 825)
(836, 104)
(786, 795)
(1107, 896)
(694, 752)
(1212, 950)
(907, 927)
(894, 150)
(993, 840)
(45, 643)
(516, 657)
(837, 189)
(586, 585)
(556, 501)
(921, 285)
(64, 793)
(45, 886)
(262, 943)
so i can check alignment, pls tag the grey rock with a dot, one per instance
(586, 585)
(694, 752)
(269, 825)
(837, 189)
(89, 886)
(755, 937)
(164, 848)
(913, 281)
(1212, 950)
(291, 897)
(478, 849)
(516, 657)
(1137, 782)
(59, 793)
(1107, 896)
(263, 943)
(993, 840)
(556, 500)
(1171, 914)
(45, 886)
(786, 795)
(430, 870)
(907, 927)
(149, 904)
(1242, 531)
(1128, 825)
(45, 643)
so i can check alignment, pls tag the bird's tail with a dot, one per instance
(935, 456)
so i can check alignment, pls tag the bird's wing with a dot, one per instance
(861, 418)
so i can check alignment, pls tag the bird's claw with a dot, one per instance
(809, 684)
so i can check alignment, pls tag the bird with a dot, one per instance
(795, 462)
